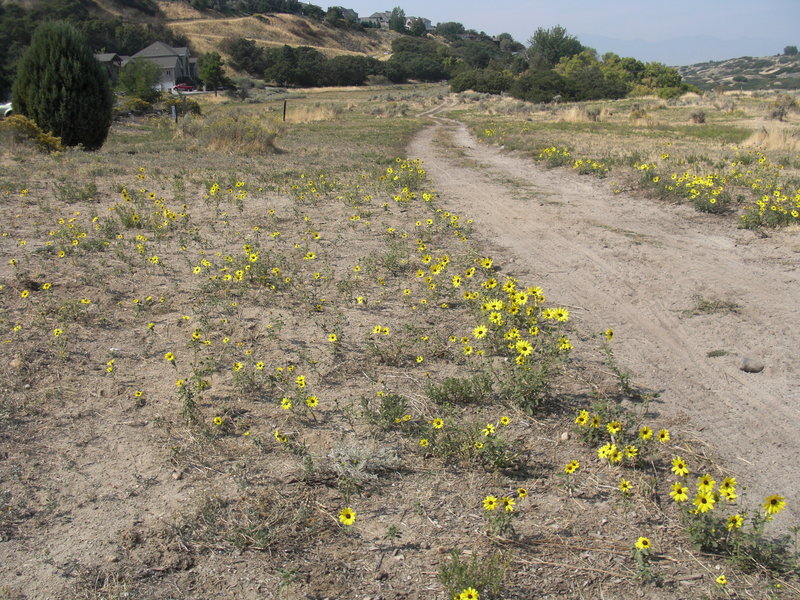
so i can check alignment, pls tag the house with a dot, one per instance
(175, 63)
(427, 22)
(381, 19)
(350, 15)
(112, 63)
(378, 19)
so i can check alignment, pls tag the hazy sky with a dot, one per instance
(769, 25)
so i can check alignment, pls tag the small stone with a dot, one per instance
(112, 558)
(565, 436)
(177, 475)
(748, 364)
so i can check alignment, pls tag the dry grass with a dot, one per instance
(191, 486)
(781, 137)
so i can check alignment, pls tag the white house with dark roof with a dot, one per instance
(175, 63)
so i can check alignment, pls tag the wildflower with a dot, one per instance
(614, 427)
(508, 503)
(279, 437)
(25, 294)
(595, 421)
(57, 332)
(608, 333)
(480, 332)
(490, 503)
(704, 501)
(643, 544)
(169, 357)
(663, 436)
(582, 419)
(469, 594)
(645, 433)
(312, 401)
(721, 580)
(423, 442)
(420, 359)
(735, 522)
(729, 483)
(679, 467)
(705, 483)
(478, 445)
(218, 421)
(571, 467)
(487, 263)
(260, 365)
(301, 381)
(238, 366)
(774, 504)
(437, 423)
(347, 516)
(286, 403)
(505, 421)
(625, 487)
(524, 347)
(488, 430)
(679, 493)
(631, 451)
(332, 337)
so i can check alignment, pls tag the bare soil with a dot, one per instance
(678, 287)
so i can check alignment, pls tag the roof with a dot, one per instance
(157, 49)
(107, 57)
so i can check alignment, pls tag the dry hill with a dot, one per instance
(206, 32)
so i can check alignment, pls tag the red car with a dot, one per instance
(184, 87)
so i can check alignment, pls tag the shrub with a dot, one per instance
(232, 132)
(135, 106)
(20, 130)
(182, 105)
(63, 88)
(139, 77)
(698, 116)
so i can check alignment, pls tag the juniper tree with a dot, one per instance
(62, 87)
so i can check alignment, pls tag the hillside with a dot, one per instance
(206, 33)
(745, 73)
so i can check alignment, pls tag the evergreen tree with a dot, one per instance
(62, 87)
(211, 72)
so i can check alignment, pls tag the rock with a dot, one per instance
(565, 436)
(748, 364)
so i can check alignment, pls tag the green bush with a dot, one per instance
(139, 77)
(62, 88)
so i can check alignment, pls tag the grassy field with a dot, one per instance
(258, 358)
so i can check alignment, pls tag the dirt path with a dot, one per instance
(641, 267)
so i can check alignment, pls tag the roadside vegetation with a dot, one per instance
(290, 359)
(707, 150)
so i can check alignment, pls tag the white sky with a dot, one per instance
(774, 23)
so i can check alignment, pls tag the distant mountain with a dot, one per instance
(745, 73)
(683, 50)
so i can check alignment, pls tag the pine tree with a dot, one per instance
(61, 87)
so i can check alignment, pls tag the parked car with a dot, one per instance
(184, 87)
(6, 110)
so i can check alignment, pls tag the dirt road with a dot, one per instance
(674, 284)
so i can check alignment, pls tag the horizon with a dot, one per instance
(644, 30)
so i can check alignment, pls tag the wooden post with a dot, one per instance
(284, 111)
